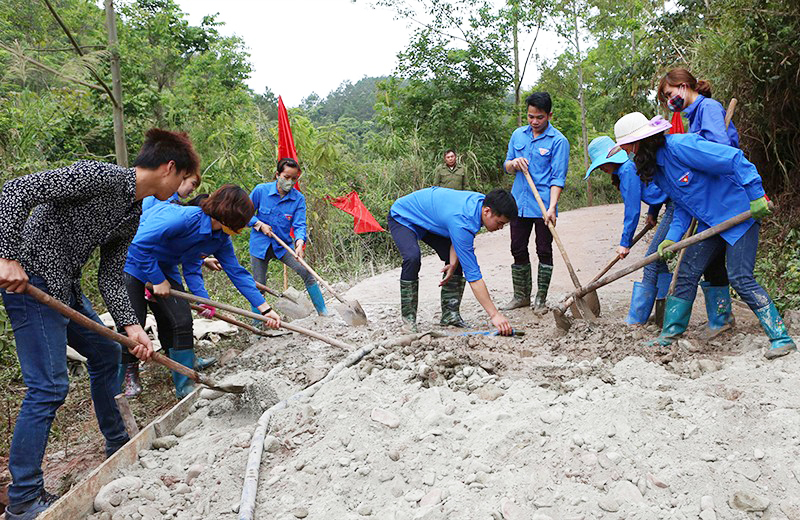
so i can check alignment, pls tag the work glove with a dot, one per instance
(759, 208)
(208, 311)
(666, 255)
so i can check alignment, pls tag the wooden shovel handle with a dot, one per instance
(550, 225)
(699, 237)
(90, 324)
(248, 314)
(308, 267)
(232, 321)
(616, 259)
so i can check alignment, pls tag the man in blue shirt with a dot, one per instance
(544, 152)
(447, 220)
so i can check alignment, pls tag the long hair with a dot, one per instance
(645, 158)
(677, 76)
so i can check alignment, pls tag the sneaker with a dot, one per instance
(34, 508)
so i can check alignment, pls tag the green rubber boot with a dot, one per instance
(452, 293)
(677, 312)
(409, 300)
(543, 284)
(780, 341)
(521, 279)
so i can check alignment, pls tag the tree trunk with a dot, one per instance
(517, 79)
(583, 105)
(120, 146)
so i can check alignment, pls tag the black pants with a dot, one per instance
(173, 316)
(716, 273)
(521, 228)
(407, 243)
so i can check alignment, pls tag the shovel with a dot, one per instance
(590, 306)
(352, 313)
(233, 321)
(263, 288)
(92, 325)
(616, 259)
(247, 314)
(564, 323)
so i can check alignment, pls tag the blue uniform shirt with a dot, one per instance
(149, 202)
(449, 213)
(282, 213)
(172, 235)
(707, 118)
(548, 160)
(708, 181)
(634, 192)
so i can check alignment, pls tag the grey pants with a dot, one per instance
(259, 267)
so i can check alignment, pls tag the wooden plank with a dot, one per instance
(78, 502)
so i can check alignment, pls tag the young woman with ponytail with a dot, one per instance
(680, 91)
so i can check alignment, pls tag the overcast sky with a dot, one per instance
(302, 46)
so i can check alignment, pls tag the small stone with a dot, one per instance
(512, 511)
(385, 417)
(745, 501)
(300, 512)
(271, 444)
(112, 494)
(608, 504)
(166, 442)
(706, 502)
(182, 489)
(657, 482)
(194, 471)
(708, 514)
(364, 509)
(186, 426)
(209, 394)
(149, 512)
(394, 455)
(433, 497)
(749, 470)
(758, 454)
(626, 491)
(551, 415)
(242, 440)
(149, 463)
(708, 456)
(415, 495)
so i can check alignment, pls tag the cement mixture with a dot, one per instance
(587, 424)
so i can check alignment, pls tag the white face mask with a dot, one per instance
(285, 185)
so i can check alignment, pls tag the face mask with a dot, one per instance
(676, 102)
(631, 156)
(285, 185)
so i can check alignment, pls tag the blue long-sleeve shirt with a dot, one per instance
(149, 202)
(634, 192)
(548, 161)
(708, 181)
(174, 235)
(707, 118)
(282, 213)
(449, 213)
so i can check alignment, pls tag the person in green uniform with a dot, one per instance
(450, 174)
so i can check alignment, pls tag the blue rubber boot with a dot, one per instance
(662, 288)
(676, 318)
(203, 363)
(780, 342)
(642, 299)
(317, 299)
(718, 308)
(183, 385)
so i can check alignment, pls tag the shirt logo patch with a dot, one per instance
(288, 217)
(544, 151)
(684, 179)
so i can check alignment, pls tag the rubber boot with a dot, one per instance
(662, 289)
(317, 299)
(676, 318)
(521, 279)
(642, 299)
(543, 284)
(452, 293)
(780, 341)
(718, 308)
(129, 379)
(203, 363)
(409, 300)
(183, 385)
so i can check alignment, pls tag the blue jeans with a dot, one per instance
(651, 271)
(740, 262)
(41, 336)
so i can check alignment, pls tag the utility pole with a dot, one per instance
(120, 146)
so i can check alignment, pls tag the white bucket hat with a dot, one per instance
(635, 127)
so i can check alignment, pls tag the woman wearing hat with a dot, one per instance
(712, 183)
(656, 278)
(680, 91)
(173, 235)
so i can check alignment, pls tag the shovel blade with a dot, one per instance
(593, 302)
(562, 321)
(352, 314)
(222, 387)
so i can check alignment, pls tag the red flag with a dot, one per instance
(677, 124)
(363, 221)
(285, 140)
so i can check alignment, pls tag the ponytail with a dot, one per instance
(704, 88)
